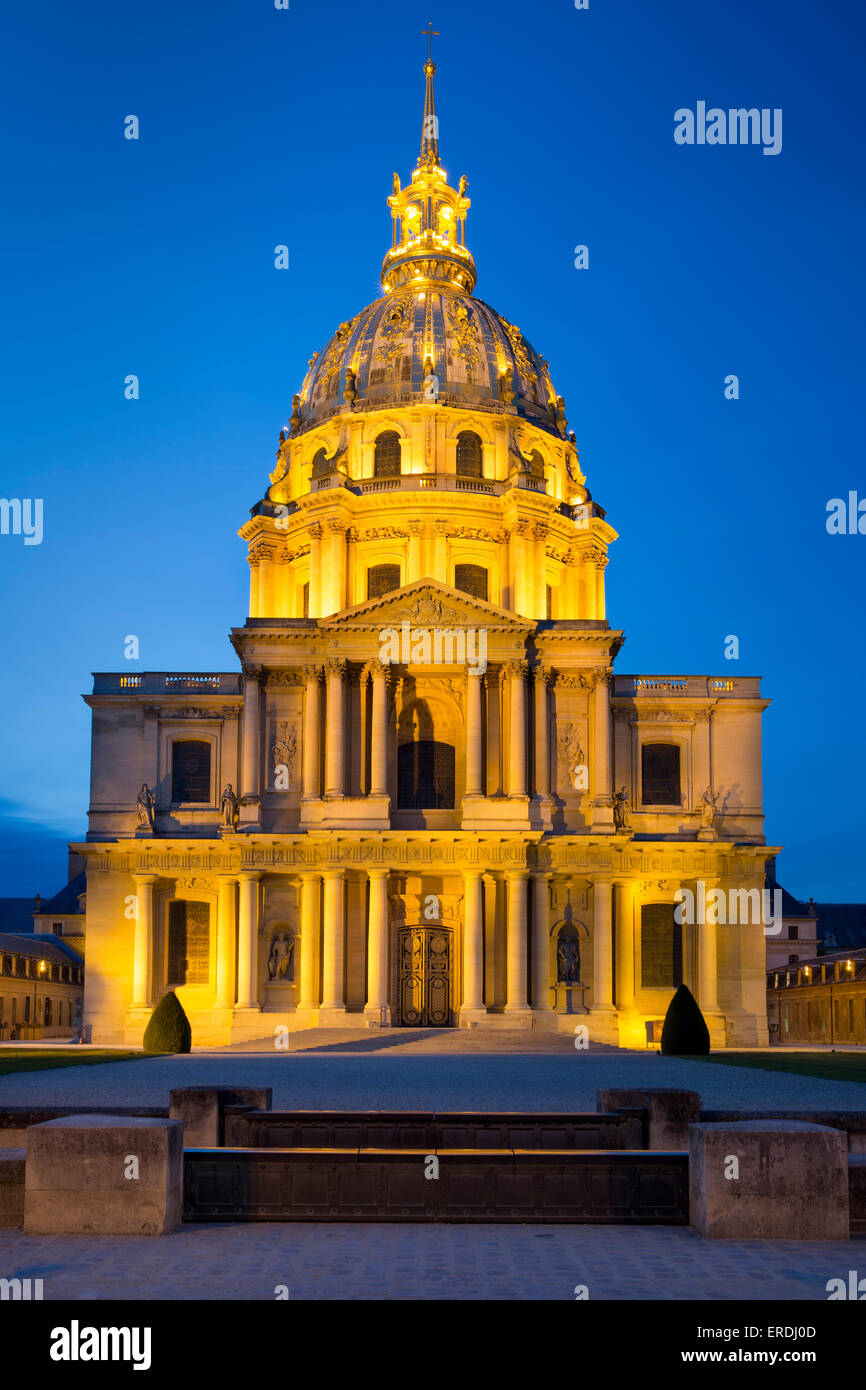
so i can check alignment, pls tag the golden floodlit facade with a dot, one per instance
(424, 798)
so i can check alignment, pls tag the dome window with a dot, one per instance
(469, 455)
(386, 458)
(382, 579)
(472, 580)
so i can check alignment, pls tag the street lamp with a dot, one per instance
(40, 970)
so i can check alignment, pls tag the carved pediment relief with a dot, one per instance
(426, 603)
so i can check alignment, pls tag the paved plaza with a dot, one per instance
(435, 1070)
(428, 1262)
(427, 1070)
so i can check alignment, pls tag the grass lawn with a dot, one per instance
(43, 1058)
(830, 1066)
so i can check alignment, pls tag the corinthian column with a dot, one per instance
(379, 731)
(248, 941)
(602, 803)
(516, 1002)
(226, 941)
(142, 960)
(334, 730)
(312, 733)
(517, 732)
(310, 888)
(472, 1008)
(334, 943)
(542, 733)
(541, 943)
(252, 747)
(474, 760)
(377, 948)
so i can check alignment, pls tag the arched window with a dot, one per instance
(381, 579)
(320, 464)
(190, 771)
(471, 579)
(536, 464)
(386, 460)
(468, 454)
(425, 776)
(188, 946)
(661, 947)
(660, 774)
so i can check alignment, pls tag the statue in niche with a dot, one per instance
(709, 807)
(281, 961)
(229, 807)
(621, 810)
(145, 805)
(568, 960)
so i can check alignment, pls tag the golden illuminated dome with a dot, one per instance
(428, 338)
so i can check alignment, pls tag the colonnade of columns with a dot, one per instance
(528, 982)
(524, 708)
(321, 972)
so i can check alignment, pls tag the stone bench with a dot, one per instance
(790, 1180)
(201, 1110)
(670, 1112)
(12, 1162)
(79, 1176)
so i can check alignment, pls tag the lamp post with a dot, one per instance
(40, 970)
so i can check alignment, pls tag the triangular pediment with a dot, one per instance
(426, 603)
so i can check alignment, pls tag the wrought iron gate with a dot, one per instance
(424, 958)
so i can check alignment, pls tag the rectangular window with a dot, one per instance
(794, 932)
(660, 774)
(190, 771)
(188, 943)
(661, 947)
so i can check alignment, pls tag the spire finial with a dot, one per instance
(430, 129)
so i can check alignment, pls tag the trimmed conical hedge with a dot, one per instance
(168, 1029)
(685, 1033)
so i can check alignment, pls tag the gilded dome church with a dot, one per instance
(422, 796)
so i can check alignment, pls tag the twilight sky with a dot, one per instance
(260, 127)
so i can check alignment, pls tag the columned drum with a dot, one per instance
(424, 975)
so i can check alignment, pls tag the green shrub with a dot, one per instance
(685, 1033)
(168, 1029)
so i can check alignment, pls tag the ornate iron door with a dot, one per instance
(424, 976)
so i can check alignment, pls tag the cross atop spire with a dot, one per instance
(430, 128)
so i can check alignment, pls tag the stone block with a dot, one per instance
(201, 1109)
(670, 1112)
(856, 1193)
(80, 1178)
(791, 1181)
(12, 1163)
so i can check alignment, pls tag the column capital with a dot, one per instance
(333, 873)
(517, 875)
(144, 880)
(336, 666)
(254, 673)
(250, 877)
(472, 873)
(516, 669)
(376, 874)
(314, 674)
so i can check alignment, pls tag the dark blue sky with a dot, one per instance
(261, 126)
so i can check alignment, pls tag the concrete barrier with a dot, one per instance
(201, 1109)
(12, 1188)
(769, 1180)
(670, 1112)
(104, 1175)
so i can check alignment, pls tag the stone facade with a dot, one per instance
(424, 797)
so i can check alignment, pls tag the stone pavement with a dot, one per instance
(428, 1262)
(385, 1071)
